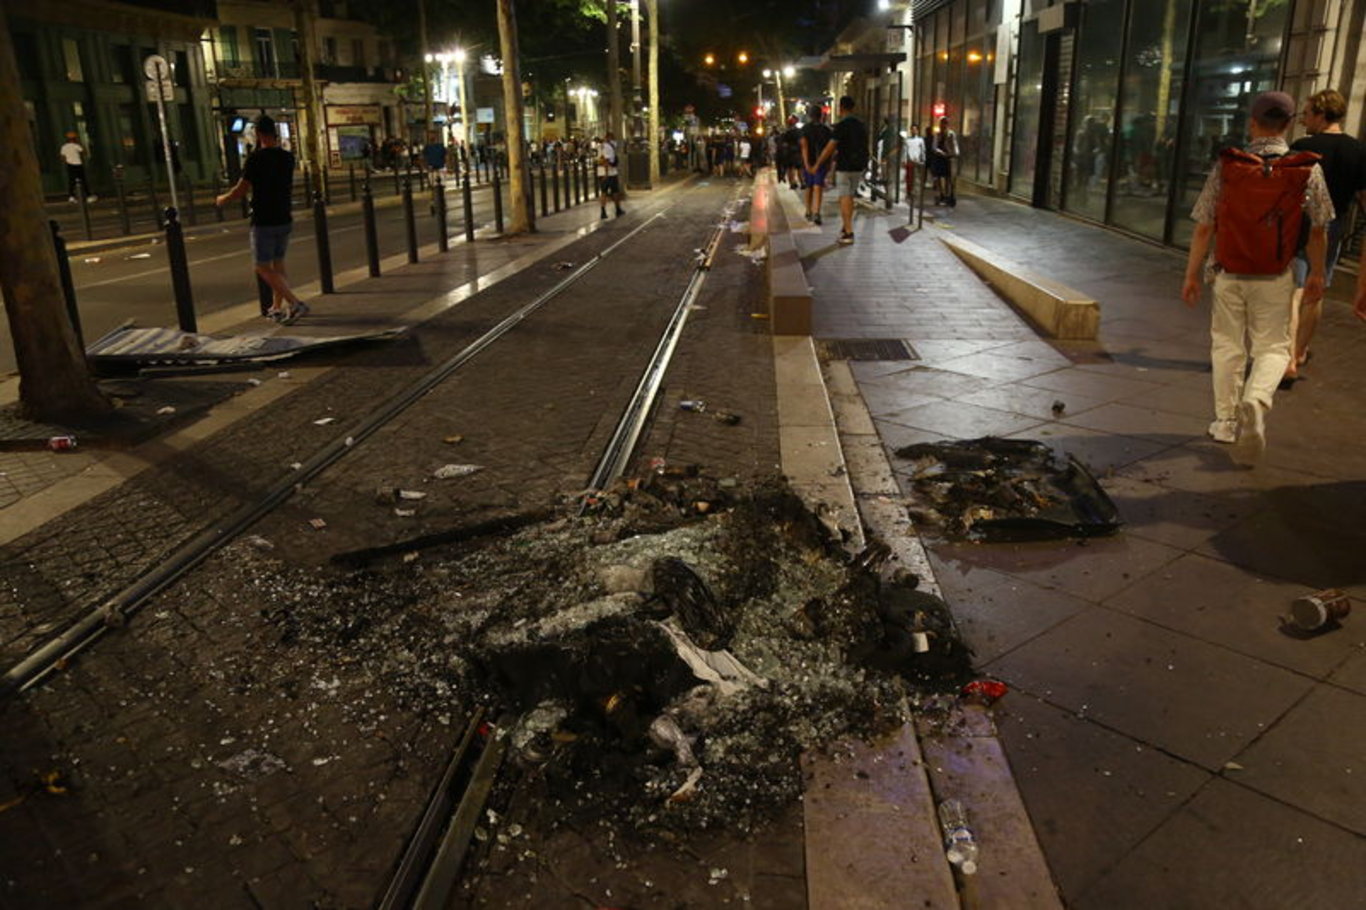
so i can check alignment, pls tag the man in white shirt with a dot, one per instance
(73, 154)
(745, 149)
(611, 179)
(915, 158)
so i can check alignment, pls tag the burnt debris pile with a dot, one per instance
(993, 489)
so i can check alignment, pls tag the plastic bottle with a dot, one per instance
(959, 844)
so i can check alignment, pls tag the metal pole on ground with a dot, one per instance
(497, 204)
(409, 219)
(555, 182)
(352, 178)
(545, 204)
(180, 272)
(85, 208)
(121, 196)
(324, 243)
(371, 238)
(68, 286)
(468, 200)
(443, 242)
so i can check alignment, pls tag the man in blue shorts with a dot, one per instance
(815, 137)
(268, 176)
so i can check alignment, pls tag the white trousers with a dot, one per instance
(1251, 317)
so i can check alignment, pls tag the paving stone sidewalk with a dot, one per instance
(1173, 746)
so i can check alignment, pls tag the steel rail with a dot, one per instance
(619, 449)
(115, 610)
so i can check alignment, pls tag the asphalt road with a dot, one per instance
(133, 281)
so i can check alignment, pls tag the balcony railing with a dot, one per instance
(253, 69)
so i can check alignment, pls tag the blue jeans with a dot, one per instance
(1300, 264)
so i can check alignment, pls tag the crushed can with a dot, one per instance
(62, 443)
(693, 404)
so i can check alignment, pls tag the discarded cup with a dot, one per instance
(693, 404)
(62, 443)
(1314, 611)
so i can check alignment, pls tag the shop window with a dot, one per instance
(71, 59)
(1238, 48)
(121, 64)
(1028, 91)
(358, 52)
(1091, 139)
(1150, 102)
(265, 52)
(227, 44)
(180, 69)
(130, 149)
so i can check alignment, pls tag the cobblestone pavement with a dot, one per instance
(225, 750)
(1173, 745)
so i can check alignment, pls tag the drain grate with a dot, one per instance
(866, 349)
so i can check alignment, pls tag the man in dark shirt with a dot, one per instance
(848, 145)
(815, 137)
(1343, 159)
(268, 176)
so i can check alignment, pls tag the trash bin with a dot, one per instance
(638, 168)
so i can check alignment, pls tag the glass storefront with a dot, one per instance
(1149, 91)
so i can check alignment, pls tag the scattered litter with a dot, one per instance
(1059, 406)
(449, 471)
(563, 266)
(92, 259)
(985, 690)
(726, 417)
(409, 557)
(350, 441)
(758, 315)
(253, 381)
(296, 465)
(258, 542)
(141, 256)
(693, 404)
(411, 494)
(317, 523)
(324, 421)
(168, 409)
(283, 374)
(1320, 610)
(62, 443)
(405, 513)
(739, 227)
(960, 845)
(756, 255)
(453, 439)
(253, 763)
(1233, 766)
(1006, 489)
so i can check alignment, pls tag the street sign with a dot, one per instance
(161, 91)
(154, 66)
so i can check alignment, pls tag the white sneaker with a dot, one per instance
(1251, 433)
(1225, 431)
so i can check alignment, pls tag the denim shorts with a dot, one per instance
(269, 242)
(846, 183)
(1300, 264)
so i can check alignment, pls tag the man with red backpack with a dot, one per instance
(1251, 210)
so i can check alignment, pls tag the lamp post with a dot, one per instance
(459, 57)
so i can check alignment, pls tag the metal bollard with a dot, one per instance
(571, 176)
(497, 204)
(443, 242)
(324, 243)
(545, 206)
(85, 208)
(409, 220)
(352, 178)
(68, 286)
(529, 193)
(180, 272)
(121, 195)
(371, 238)
(555, 183)
(397, 189)
(468, 201)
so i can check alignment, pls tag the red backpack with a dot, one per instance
(1261, 210)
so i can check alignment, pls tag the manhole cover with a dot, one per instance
(866, 349)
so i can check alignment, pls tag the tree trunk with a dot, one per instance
(652, 133)
(512, 111)
(614, 112)
(423, 53)
(54, 381)
(305, 18)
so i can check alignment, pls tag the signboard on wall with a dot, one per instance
(483, 115)
(343, 114)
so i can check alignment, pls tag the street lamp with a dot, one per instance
(458, 55)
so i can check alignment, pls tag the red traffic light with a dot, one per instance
(759, 112)
(939, 109)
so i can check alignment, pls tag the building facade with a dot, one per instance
(1110, 110)
(81, 70)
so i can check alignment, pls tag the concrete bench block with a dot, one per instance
(1055, 309)
(789, 296)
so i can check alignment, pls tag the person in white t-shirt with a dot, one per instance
(915, 158)
(74, 155)
(745, 150)
(611, 179)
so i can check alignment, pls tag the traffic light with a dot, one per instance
(939, 109)
(759, 112)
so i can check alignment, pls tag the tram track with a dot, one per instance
(116, 609)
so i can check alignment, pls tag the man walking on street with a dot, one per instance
(268, 176)
(915, 158)
(1343, 159)
(815, 137)
(848, 145)
(74, 155)
(611, 177)
(1252, 206)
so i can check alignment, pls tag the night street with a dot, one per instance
(855, 455)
